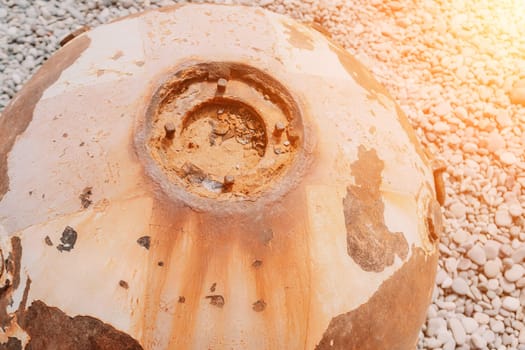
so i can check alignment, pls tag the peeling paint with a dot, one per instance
(370, 243)
(19, 113)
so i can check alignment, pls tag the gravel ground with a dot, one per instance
(457, 68)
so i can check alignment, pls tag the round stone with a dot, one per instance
(511, 303)
(514, 273)
(491, 269)
(508, 158)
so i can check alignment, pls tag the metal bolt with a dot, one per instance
(221, 84)
(229, 180)
(279, 128)
(169, 128)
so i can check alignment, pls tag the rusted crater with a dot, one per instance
(222, 131)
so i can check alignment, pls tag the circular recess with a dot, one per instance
(223, 131)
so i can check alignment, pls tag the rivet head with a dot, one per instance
(221, 84)
(278, 129)
(169, 128)
(229, 180)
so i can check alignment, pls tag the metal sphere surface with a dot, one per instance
(212, 177)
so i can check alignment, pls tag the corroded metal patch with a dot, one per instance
(50, 328)
(222, 131)
(369, 242)
(392, 316)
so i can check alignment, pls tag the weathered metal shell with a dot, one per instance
(106, 243)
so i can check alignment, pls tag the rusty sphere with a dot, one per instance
(212, 177)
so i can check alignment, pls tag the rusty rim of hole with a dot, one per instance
(189, 90)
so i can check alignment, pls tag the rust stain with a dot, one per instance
(50, 328)
(434, 221)
(197, 250)
(392, 316)
(19, 113)
(369, 242)
(298, 38)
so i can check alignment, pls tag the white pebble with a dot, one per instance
(491, 269)
(510, 303)
(477, 255)
(514, 273)
(502, 218)
(460, 286)
(508, 158)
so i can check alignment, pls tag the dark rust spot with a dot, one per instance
(212, 288)
(298, 38)
(123, 284)
(392, 316)
(73, 35)
(85, 197)
(434, 221)
(48, 241)
(259, 306)
(68, 239)
(160, 263)
(257, 263)
(216, 300)
(438, 168)
(369, 242)
(51, 329)
(144, 241)
(19, 113)
(182, 299)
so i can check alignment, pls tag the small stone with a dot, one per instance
(510, 303)
(491, 269)
(495, 141)
(458, 332)
(442, 109)
(460, 236)
(515, 210)
(441, 127)
(435, 326)
(478, 341)
(470, 147)
(491, 249)
(469, 324)
(503, 119)
(514, 273)
(519, 255)
(508, 158)
(497, 326)
(458, 210)
(481, 318)
(477, 255)
(502, 218)
(460, 286)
